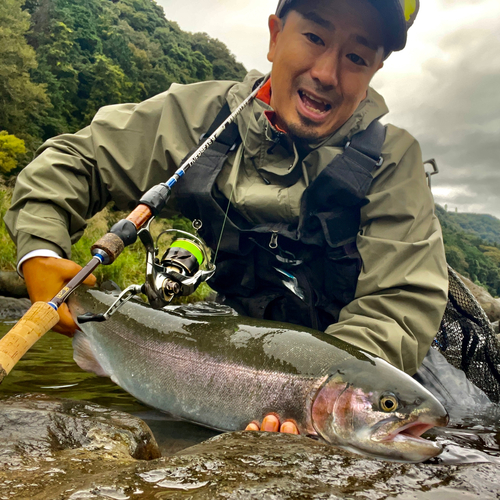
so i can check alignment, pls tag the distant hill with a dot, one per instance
(468, 252)
(487, 227)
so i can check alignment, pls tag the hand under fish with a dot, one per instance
(271, 423)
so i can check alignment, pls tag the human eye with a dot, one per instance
(314, 39)
(357, 59)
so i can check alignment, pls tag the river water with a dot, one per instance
(49, 368)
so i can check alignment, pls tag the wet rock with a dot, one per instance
(11, 285)
(11, 308)
(490, 305)
(35, 427)
(248, 466)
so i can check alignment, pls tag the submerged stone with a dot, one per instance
(36, 427)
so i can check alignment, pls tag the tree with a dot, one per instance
(22, 102)
(11, 148)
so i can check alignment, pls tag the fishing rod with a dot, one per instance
(42, 316)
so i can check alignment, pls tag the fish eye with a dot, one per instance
(389, 403)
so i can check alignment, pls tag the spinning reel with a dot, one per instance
(177, 273)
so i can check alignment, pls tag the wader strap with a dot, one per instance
(330, 206)
(368, 143)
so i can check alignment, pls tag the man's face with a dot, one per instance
(324, 55)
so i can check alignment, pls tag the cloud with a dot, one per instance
(450, 101)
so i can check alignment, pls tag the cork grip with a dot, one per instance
(111, 244)
(140, 215)
(39, 319)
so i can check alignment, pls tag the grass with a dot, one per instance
(130, 266)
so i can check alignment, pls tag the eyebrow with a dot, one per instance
(317, 19)
(363, 41)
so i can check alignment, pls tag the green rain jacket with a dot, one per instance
(402, 288)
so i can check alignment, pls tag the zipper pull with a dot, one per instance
(273, 244)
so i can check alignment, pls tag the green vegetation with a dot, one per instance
(483, 226)
(61, 60)
(468, 254)
(11, 149)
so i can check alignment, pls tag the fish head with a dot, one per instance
(381, 412)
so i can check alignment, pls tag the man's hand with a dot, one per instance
(45, 277)
(271, 423)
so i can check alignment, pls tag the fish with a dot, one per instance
(205, 364)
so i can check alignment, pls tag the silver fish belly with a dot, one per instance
(221, 370)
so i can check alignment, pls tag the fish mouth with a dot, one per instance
(412, 431)
(405, 436)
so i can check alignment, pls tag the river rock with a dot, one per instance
(490, 305)
(11, 308)
(11, 285)
(35, 427)
(246, 466)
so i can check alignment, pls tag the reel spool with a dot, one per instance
(178, 273)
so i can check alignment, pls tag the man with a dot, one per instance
(358, 253)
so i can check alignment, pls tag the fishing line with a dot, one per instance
(239, 159)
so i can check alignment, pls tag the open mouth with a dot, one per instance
(411, 431)
(390, 431)
(314, 104)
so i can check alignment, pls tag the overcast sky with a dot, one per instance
(444, 87)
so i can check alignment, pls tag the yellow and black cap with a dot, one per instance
(397, 14)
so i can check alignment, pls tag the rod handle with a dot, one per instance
(37, 321)
(140, 215)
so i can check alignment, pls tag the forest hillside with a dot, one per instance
(61, 60)
(466, 250)
(486, 227)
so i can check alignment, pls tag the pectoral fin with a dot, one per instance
(84, 356)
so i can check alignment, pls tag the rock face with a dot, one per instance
(490, 305)
(244, 465)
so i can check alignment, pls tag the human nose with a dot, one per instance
(325, 70)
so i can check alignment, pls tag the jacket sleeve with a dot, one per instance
(127, 149)
(403, 284)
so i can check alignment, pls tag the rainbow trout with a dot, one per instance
(205, 364)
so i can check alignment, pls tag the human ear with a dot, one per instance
(275, 28)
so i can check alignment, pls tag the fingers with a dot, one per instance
(45, 277)
(90, 280)
(66, 325)
(289, 427)
(271, 423)
(253, 426)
